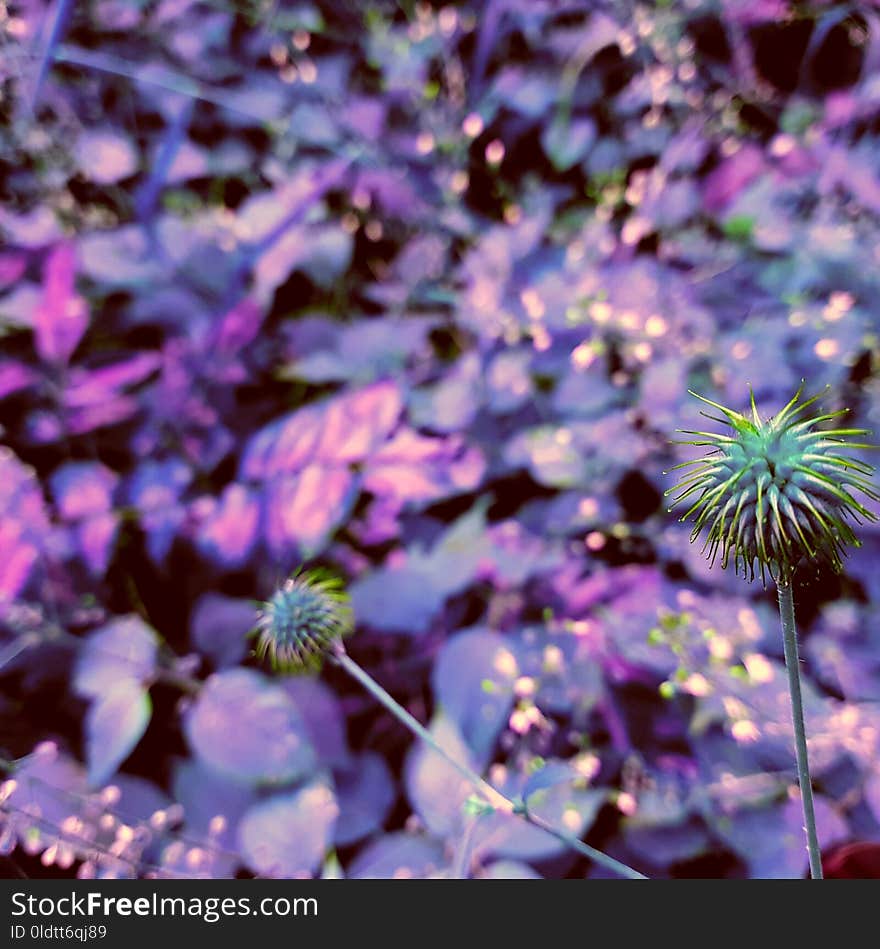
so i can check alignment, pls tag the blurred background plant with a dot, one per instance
(778, 492)
(415, 292)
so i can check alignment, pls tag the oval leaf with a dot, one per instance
(123, 650)
(115, 723)
(436, 789)
(245, 728)
(473, 681)
(366, 793)
(398, 856)
(288, 835)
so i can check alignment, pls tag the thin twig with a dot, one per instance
(494, 797)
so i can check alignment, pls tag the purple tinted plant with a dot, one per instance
(431, 328)
(307, 617)
(774, 492)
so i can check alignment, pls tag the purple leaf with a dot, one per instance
(726, 181)
(451, 404)
(93, 398)
(286, 836)
(244, 728)
(399, 855)
(83, 489)
(88, 418)
(125, 649)
(205, 796)
(365, 792)
(155, 489)
(548, 776)
(404, 595)
(379, 523)
(219, 627)
(52, 785)
(509, 870)
(35, 229)
(139, 798)
(105, 156)
(528, 92)
(394, 194)
(237, 329)
(397, 599)
(17, 556)
(228, 525)
(14, 377)
(365, 116)
(12, 268)
(302, 510)
(115, 723)
(565, 144)
(95, 537)
(569, 808)
(62, 316)
(355, 424)
(344, 429)
(473, 683)
(551, 454)
(411, 467)
(88, 387)
(771, 839)
(666, 844)
(24, 524)
(322, 717)
(435, 788)
(120, 257)
(285, 445)
(361, 351)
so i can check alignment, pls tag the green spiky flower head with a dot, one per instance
(770, 492)
(302, 620)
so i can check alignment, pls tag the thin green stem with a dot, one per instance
(494, 797)
(792, 666)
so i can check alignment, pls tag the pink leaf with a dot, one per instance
(412, 467)
(95, 537)
(357, 423)
(302, 510)
(346, 428)
(24, 525)
(14, 377)
(62, 317)
(12, 266)
(229, 531)
(238, 328)
(17, 557)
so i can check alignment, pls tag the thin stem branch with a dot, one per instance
(499, 801)
(792, 666)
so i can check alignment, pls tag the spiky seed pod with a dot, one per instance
(776, 490)
(302, 620)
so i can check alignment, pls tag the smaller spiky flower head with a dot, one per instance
(302, 620)
(776, 490)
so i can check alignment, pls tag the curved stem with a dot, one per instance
(792, 667)
(498, 801)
